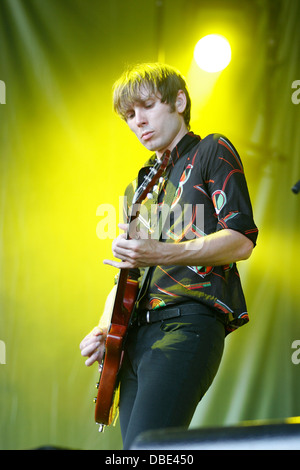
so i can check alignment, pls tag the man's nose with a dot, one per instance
(140, 117)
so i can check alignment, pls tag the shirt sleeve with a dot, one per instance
(228, 189)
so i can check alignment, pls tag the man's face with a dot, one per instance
(156, 127)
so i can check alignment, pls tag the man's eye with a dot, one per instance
(130, 115)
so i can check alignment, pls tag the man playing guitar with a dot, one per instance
(191, 296)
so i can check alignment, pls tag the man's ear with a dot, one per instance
(181, 101)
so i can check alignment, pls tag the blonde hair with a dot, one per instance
(150, 78)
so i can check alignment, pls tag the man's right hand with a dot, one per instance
(93, 345)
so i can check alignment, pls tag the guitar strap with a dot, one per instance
(171, 187)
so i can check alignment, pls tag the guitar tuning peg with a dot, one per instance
(150, 196)
(161, 179)
(155, 188)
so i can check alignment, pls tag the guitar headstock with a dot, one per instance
(152, 177)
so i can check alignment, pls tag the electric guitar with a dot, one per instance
(127, 289)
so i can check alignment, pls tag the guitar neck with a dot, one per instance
(126, 287)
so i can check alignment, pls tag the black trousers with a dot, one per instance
(167, 368)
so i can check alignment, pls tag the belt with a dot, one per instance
(146, 317)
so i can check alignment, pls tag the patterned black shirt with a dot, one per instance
(212, 195)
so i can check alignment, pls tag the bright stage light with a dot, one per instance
(212, 53)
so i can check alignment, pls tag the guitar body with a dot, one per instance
(107, 397)
(127, 290)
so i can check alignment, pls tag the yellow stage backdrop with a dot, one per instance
(64, 153)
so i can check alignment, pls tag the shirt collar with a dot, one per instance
(184, 145)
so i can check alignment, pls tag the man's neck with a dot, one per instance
(183, 131)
